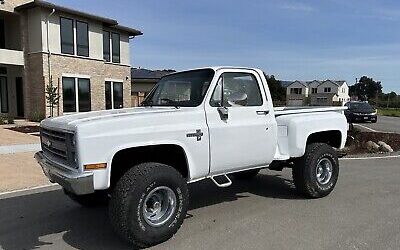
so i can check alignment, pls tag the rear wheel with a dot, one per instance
(316, 173)
(248, 174)
(149, 204)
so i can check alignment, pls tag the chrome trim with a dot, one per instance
(72, 181)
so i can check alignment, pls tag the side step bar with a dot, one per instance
(221, 181)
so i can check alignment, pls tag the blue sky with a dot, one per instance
(290, 39)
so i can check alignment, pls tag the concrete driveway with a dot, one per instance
(384, 124)
(362, 213)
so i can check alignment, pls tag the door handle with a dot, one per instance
(262, 112)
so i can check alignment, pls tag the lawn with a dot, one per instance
(389, 111)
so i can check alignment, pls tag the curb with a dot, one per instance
(29, 191)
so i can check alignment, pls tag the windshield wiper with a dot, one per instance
(172, 102)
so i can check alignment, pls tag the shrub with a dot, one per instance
(10, 120)
(37, 116)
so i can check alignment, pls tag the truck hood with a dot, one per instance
(69, 122)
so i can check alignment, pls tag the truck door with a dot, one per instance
(242, 129)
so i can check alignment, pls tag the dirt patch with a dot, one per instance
(356, 142)
(26, 129)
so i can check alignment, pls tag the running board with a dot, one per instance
(225, 182)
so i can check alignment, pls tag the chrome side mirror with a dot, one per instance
(223, 113)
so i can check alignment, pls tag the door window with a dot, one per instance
(239, 89)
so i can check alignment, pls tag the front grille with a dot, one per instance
(58, 146)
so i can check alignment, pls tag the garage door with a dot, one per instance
(295, 102)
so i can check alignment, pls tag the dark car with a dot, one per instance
(360, 112)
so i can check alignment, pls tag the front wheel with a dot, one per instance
(316, 173)
(149, 204)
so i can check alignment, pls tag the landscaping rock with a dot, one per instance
(372, 147)
(384, 147)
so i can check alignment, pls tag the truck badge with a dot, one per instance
(47, 142)
(198, 134)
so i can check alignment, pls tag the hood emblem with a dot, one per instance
(47, 142)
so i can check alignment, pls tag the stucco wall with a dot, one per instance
(9, 5)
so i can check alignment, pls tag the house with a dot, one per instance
(143, 80)
(317, 93)
(84, 55)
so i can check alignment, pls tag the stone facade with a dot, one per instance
(97, 71)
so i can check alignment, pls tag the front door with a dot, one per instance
(242, 130)
(20, 96)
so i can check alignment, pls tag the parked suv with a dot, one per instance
(360, 112)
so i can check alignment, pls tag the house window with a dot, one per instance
(114, 95)
(106, 46)
(82, 38)
(2, 35)
(314, 90)
(327, 90)
(76, 94)
(3, 95)
(115, 47)
(67, 35)
(296, 91)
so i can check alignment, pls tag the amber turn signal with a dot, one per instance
(95, 166)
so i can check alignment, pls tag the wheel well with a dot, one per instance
(332, 138)
(171, 155)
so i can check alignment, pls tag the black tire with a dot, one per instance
(96, 199)
(305, 171)
(245, 175)
(128, 200)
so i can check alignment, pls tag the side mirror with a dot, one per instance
(237, 98)
(223, 113)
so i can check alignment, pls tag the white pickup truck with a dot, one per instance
(213, 123)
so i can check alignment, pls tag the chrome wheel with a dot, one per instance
(159, 206)
(324, 171)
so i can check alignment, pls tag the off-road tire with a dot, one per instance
(96, 199)
(304, 171)
(127, 201)
(245, 175)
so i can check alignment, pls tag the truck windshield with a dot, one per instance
(186, 89)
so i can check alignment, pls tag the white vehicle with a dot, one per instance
(194, 125)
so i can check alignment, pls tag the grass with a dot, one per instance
(389, 111)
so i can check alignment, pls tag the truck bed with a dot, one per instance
(302, 110)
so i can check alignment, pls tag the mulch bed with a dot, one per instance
(26, 129)
(357, 145)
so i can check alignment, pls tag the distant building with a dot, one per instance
(316, 93)
(143, 80)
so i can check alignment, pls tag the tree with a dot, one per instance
(366, 88)
(52, 97)
(278, 92)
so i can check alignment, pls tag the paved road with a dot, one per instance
(362, 213)
(384, 124)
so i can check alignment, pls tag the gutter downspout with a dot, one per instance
(49, 52)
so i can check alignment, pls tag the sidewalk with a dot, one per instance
(8, 137)
(18, 168)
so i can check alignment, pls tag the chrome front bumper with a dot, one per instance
(73, 182)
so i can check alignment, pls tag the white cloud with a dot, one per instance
(297, 7)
